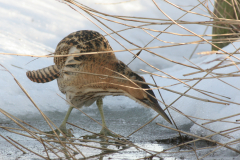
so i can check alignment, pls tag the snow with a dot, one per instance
(35, 27)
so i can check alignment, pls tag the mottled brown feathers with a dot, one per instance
(85, 41)
(44, 75)
(84, 78)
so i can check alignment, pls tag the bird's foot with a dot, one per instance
(64, 130)
(104, 133)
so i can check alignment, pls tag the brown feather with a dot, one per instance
(44, 75)
(85, 78)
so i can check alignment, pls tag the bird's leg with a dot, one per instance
(104, 130)
(63, 125)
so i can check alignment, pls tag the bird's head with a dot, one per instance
(149, 100)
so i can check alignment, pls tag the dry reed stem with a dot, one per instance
(194, 149)
(50, 135)
(219, 40)
(188, 117)
(164, 109)
(209, 71)
(230, 55)
(13, 144)
(219, 80)
(182, 94)
(214, 77)
(203, 76)
(212, 121)
(134, 19)
(151, 121)
(138, 87)
(184, 151)
(27, 148)
(211, 152)
(201, 99)
(203, 138)
(8, 129)
(20, 125)
(148, 18)
(45, 148)
(218, 12)
(84, 145)
(160, 20)
(198, 44)
(228, 65)
(35, 137)
(193, 85)
(143, 125)
(98, 156)
(88, 116)
(213, 93)
(44, 116)
(21, 122)
(192, 141)
(158, 88)
(125, 142)
(205, 119)
(192, 31)
(129, 50)
(219, 148)
(167, 109)
(233, 63)
(132, 49)
(164, 31)
(116, 2)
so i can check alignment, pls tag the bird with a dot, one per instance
(87, 78)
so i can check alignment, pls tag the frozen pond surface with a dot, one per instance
(34, 27)
(121, 121)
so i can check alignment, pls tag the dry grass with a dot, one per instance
(66, 147)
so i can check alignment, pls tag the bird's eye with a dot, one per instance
(71, 65)
(145, 100)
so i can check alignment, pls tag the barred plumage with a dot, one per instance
(84, 41)
(44, 75)
(87, 78)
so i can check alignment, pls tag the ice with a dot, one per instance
(35, 27)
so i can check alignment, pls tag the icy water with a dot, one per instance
(149, 140)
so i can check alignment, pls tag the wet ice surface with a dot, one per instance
(32, 27)
(120, 121)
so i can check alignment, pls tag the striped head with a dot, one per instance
(83, 41)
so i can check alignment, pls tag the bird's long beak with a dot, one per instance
(153, 103)
(159, 110)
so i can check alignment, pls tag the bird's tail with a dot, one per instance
(44, 75)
